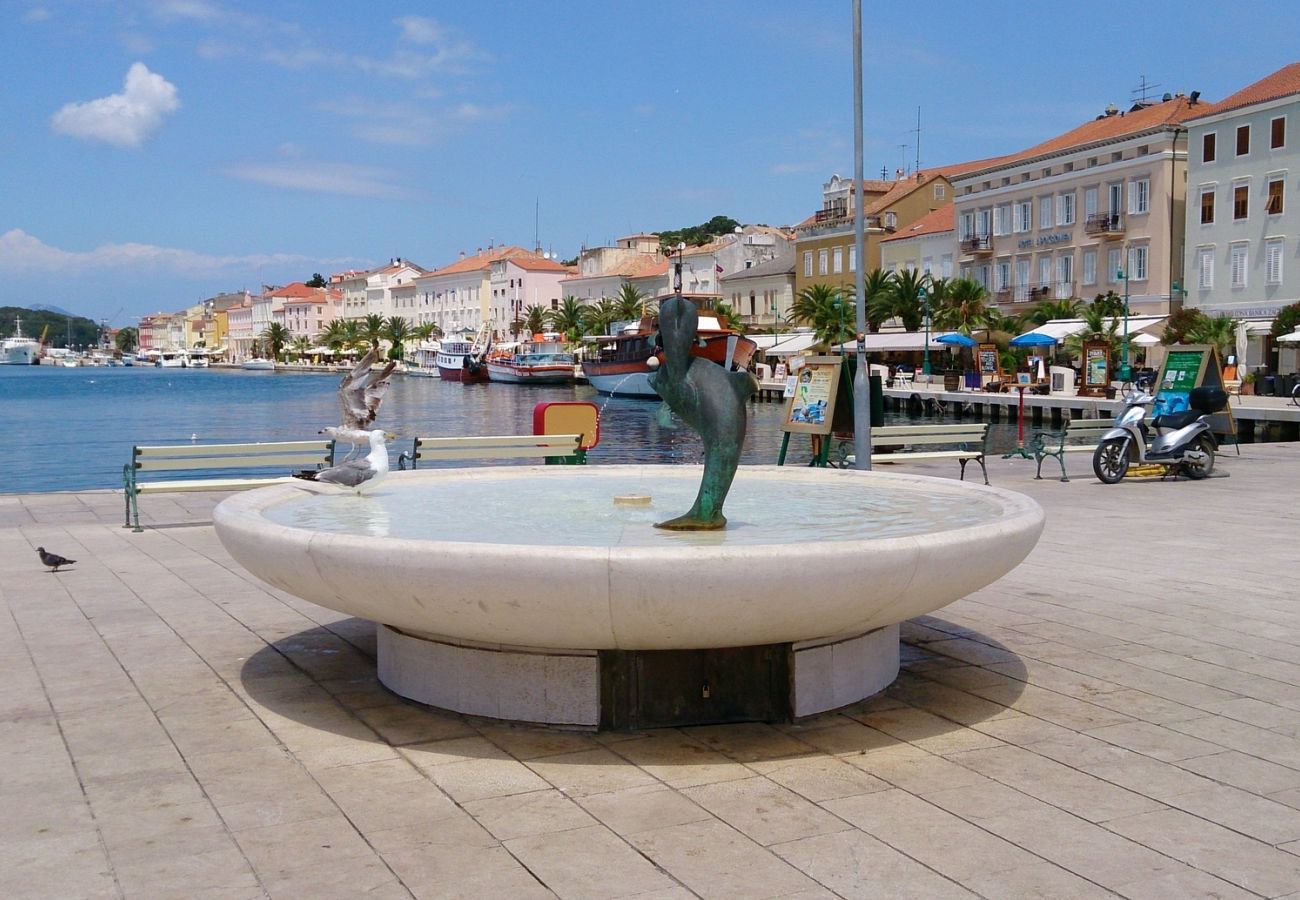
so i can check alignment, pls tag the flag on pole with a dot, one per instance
(718, 269)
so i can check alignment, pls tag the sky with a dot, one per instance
(156, 152)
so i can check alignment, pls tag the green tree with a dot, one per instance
(630, 303)
(424, 331)
(1099, 325)
(127, 339)
(1111, 303)
(567, 318)
(334, 335)
(372, 330)
(827, 311)
(276, 338)
(535, 318)
(1054, 309)
(728, 317)
(397, 331)
(1286, 321)
(1181, 323)
(317, 280)
(905, 298)
(1218, 331)
(695, 235)
(877, 286)
(597, 317)
(301, 346)
(964, 308)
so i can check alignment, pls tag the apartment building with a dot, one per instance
(456, 298)
(1098, 208)
(762, 293)
(1243, 218)
(927, 245)
(307, 314)
(602, 271)
(517, 282)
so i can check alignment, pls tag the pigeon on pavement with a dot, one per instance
(53, 560)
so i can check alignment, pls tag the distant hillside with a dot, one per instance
(63, 329)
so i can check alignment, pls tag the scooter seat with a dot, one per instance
(1172, 421)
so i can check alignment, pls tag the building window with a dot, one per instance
(1240, 201)
(838, 260)
(1022, 216)
(1002, 275)
(1002, 220)
(966, 227)
(1237, 265)
(823, 262)
(1022, 279)
(1139, 196)
(807, 264)
(1064, 276)
(1044, 271)
(1089, 266)
(1207, 206)
(1277, 133)
(984, 222)
(1137, 264)
(1273, 262)
(1243, 140)
(1274, 205)
(939, 191)
(1044, 213)
(945, 266)
(1115, 197)
(1065, 208)
(1112, 265)
(1207, 147)
(853, 258)
(1089, 203)
(1205, 267)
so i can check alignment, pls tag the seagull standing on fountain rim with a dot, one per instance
(357, 472)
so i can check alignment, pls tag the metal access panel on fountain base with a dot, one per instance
(665, 688)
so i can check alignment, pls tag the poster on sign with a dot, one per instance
(811, 406)
(1096, 369)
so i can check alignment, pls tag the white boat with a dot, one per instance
(197, 358)
(170, 359)
(422, 362)
(258, 365)
(461, 360)
(538, 362)
(17, 350)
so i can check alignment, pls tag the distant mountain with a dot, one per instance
(58, 328)
(42, 307)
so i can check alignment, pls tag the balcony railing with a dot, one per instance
(1105, 224)
(831, 213)
(977, 243)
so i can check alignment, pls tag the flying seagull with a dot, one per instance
(360, 393)
(53, 560)
(357, 472)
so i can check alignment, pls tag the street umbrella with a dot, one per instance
(956, 339)
(1033, 339)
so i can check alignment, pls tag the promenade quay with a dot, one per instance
(1119, 716)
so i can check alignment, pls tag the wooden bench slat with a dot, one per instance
(492, 453)
(890, 430)
(187, 450)
(909, 436)
(281, 461)
(504, 440)
(209, 484)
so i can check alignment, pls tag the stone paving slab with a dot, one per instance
(1120, 716)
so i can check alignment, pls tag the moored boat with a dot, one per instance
(618, 364)
(18, 350)
(258, 365)
(536, 362)
(197, 358)
(465, 361)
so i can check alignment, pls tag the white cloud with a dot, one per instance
(21, 252)
(322, 178)
(424, 47)
(126, 119)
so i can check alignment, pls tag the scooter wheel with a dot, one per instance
(1201, 470)
(1110, 460)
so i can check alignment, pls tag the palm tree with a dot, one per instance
(535, 319)
(1099, 325)
(877, 286)
(397, 331)
(335, 334)
(301, 346)
(424, 331)
(276, 337)
(372, 330)
(567, 318)
(963, 307)
(597, 317)
(728, 317)
(830, 314)
(1220, 331)
(127, 339)
(1054, 309)
(352, 335)
(904, 298)
(1110, 303)
(630, 303)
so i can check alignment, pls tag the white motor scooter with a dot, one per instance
(1184, 443)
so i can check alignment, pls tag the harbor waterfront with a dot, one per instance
(176, 727)
(73, 429)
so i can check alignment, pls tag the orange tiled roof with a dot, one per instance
(1103, 130)
(292, 291)
(1282, 83)
(534, 263)
(940, 220)
(481, 260)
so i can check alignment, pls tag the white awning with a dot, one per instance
(898, 341)
(1064, 328)
(1259, 328)
(793, 344)
(767, 341)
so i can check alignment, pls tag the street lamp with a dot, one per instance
(677, 269)
(925, 306)
(1124, 371)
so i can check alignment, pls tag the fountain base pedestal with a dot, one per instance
(633, 689)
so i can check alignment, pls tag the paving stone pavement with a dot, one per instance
(1118, 716)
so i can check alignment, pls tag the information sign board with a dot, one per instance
(811, 407)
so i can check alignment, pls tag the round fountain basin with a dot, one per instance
(541, 557)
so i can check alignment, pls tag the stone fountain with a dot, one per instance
(527, 593)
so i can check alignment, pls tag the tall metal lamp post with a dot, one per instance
(925, 308)
(861, 381)
(1125, 373)
(677, 270)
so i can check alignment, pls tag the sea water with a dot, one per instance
(66, 429)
